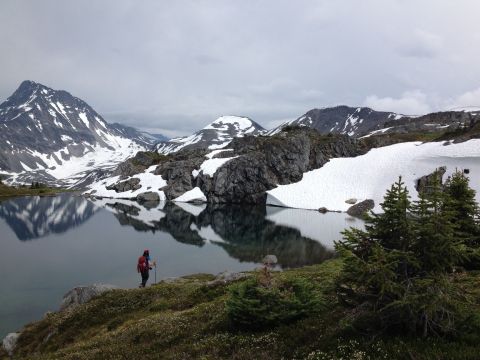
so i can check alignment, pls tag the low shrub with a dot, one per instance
(253, 304)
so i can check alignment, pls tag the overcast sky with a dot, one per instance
(174, 66)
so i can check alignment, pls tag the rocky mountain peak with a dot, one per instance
(215, 135)
(43, 130)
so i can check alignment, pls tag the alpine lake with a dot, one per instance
(51, 244)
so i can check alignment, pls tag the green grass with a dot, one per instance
(12, 191)
(187, 319)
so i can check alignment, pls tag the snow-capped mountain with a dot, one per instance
(51, 136)
(342, 119)
(216, 135)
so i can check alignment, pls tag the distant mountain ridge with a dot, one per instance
(364, 121)
(52, 136)
(344, 120)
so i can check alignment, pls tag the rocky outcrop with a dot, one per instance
(127, 185)
(361, 208)
(265, 162)
(178, 172)
(425, 183)
(10, 342)
(81, 294)
(259, 163)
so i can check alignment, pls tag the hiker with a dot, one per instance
(143, 266)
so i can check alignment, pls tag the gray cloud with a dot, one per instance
(174, 66)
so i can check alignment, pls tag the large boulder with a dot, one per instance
(361, 208)
(149, 196)
(82, 294)
(10, 342)
(425, 183)
(130, 184)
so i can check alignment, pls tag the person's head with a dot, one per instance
(146, 252)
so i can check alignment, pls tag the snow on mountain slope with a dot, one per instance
(51, 136)
(368, 176)
(216, 135)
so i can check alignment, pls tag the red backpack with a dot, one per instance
(142, 264)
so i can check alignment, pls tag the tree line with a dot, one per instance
(399, 272)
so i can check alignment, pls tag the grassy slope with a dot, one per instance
(187, 319)
(7, 191)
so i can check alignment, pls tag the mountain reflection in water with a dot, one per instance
(35, 216)
(82, 242)
(246, 233)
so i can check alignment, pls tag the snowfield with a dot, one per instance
(148, 182)
(368, 176)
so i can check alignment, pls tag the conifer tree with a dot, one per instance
(378, 259)
(435, 245)
(465, 213)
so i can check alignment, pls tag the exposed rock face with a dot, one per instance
(425, 183)
(10, 342)
(82, 294)
(178, 172)
(361, 208)
(131, 184)
(258, 164)
(265, 162)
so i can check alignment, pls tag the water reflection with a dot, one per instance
(246, 233)
(184, 239)
(35, 217)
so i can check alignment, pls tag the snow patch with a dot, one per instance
(192, 195)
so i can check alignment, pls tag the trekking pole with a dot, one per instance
(155, 272)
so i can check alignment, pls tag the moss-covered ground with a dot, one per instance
(186, 319)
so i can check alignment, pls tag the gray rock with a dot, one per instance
(130, 184)
(148, 196)
(361, 208)
(323, 210)
(10, 342)
(261, 163)
(351, 201)
(270, 260)
(423, 184)
(82, 294)
(227, 277)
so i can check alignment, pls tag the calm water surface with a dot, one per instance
(52, 244)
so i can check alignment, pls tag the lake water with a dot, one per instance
(52, 244)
